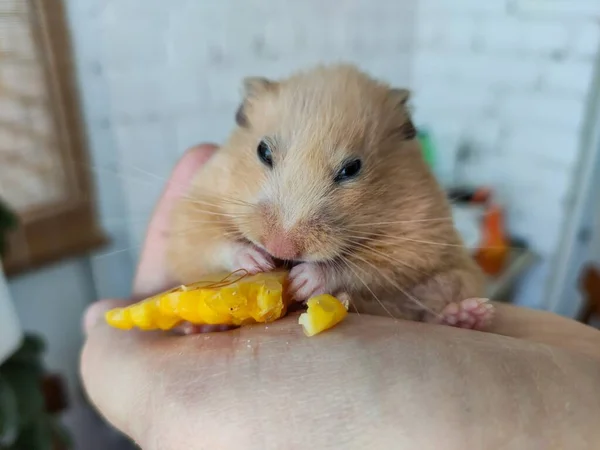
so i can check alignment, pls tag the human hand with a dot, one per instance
(371, 382)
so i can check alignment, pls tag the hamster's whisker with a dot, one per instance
(412, 277)
(338, 267)
(219, 209)
(117, 173)
(400, 240)
(237, 201)
(215, 201)
(214, 221)
(167, 180)
(348, 262)
(196, 230)
(213, 213)
(193, 201)
(116, 252)
(439, 219)
(405, 239)
(389, 242)
(126, 219)
(386, 257)
(198, 201)
(150, 174)
(364, 240)
(219, 222)
(397, 286)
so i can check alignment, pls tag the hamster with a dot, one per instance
(323, 171)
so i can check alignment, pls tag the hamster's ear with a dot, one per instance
(405, 130)
(401, 96)
(253, 87)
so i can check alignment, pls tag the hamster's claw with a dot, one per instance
(252, 260)
(472, 313)
(306, 281)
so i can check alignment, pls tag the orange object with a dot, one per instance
(494, 248)
(481, 195)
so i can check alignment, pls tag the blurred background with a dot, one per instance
(99, 99)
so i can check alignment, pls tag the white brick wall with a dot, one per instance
(509, 77)
(562, 9)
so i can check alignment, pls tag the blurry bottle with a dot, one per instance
(494, 249)
(427, 147)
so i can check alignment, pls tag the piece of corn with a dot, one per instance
(225, 300)
(324, 312)
(232, 300)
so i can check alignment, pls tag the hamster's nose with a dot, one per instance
(282, 246)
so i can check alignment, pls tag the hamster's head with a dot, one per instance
(326, 155)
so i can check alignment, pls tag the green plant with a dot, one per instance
(7, 222)
(25, 423)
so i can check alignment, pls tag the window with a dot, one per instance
(44, 168)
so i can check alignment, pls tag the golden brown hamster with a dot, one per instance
(323, 170)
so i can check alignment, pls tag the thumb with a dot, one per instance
(94, 315)
(152, 273)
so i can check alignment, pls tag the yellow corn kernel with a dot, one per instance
(324, 312)
(119, 318)
(142, 315)
(166, 322)
(217, 300)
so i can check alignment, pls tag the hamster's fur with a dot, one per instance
(383, 236)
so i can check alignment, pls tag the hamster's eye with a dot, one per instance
(264, 154)
(350, 170)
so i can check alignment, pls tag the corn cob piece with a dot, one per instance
(233, 299)
(324, 312)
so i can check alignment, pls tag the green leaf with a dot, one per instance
(36, 436)
(24, 423)
(9, 414)
(30, 352)
(61, 432)
(27, 386)
(8, 221)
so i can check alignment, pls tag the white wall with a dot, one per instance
(596, 239)
(510, 78)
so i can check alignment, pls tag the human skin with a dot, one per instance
(372, 382)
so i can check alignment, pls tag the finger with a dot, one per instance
(136, 378)
(152, 274)
(114, 369)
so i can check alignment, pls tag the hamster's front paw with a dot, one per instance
(307, 280)
(472, 313)
(251, 259)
